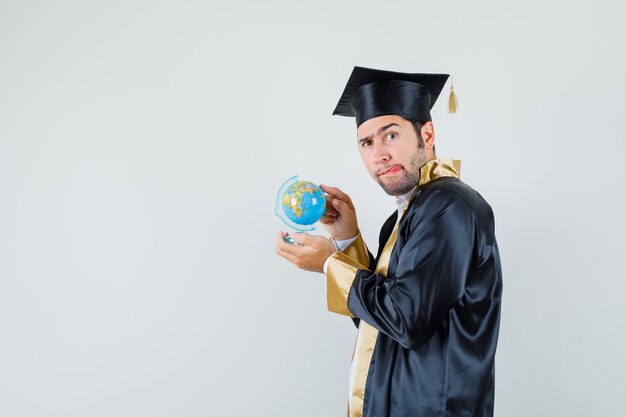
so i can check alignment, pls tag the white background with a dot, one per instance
(141, 147)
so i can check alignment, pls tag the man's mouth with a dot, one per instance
(390, 171)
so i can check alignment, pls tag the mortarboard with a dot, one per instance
(371, 93)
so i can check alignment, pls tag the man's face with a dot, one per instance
(392, 152)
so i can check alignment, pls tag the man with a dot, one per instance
(427, 306)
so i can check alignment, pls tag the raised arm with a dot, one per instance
(433, 264)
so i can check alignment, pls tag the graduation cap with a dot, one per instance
(371, 93)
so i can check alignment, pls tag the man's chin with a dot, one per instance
(398, 189)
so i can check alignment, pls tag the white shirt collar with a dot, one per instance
(403, 200)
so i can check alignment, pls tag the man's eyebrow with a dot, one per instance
(378, 132)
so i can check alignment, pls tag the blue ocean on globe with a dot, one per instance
(300, 204)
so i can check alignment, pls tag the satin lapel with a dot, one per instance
(385, 232)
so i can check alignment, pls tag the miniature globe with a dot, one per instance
(300, 204)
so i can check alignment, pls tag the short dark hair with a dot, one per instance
(418, 130)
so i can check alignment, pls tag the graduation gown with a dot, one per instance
(427, 306)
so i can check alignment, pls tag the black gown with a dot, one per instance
(437, 310)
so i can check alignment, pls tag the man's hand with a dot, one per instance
(340, 217)
(310, 255)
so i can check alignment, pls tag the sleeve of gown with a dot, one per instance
(430, 275)
(342, 267)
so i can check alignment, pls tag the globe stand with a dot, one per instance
(290, 240)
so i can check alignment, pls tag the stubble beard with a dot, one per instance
(410, 175)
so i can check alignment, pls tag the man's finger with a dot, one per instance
(341, 206)
(329, 206)
(302, 238)
(283, 247)
(291, 258)
(336, 192)
(330, 212)
(280, 241)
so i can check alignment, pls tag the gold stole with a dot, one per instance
(342, 270)
(368, 337)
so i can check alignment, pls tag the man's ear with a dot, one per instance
(428, 135)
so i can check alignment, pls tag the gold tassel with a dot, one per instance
(452, 100)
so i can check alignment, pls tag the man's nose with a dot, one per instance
(381, 153)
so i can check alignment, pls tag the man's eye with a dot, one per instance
(391, 135)
(365, 143)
